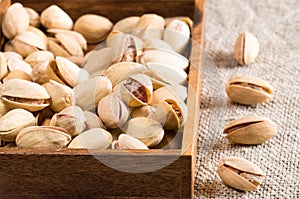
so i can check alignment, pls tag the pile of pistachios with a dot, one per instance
(56, 94)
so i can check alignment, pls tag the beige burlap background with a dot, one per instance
(276, 23)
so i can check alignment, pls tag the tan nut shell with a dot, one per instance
(92, 139)
(112, 111)
(55, 17)
(98, 60)
(34, 17)
(94, 28)
(72, 46)
(14, 63)
(76, 36)
(56, 49)
(93, 121)
(39, 56)
(149, 131)
(17, 74)
(248, 90)
(13, 122)
(126, 24)
(43, 136)
(143, 111)
(157, 44)
(250, 130)
(164, 93)
(246, 48)
(127, 142)
(3, 66)
(15, 21)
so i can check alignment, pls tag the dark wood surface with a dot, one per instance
(69, 173)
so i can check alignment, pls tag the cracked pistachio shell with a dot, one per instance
(43, 136)
(248, 90)
(14, 63)
(112, 111)
(246, 48)
(18, 93)
(127, 142)
(39, 56)
(98, 60)
(240, 173)
(13, 122)
(135, 91)
(97, 138)
(55, 17)
(93, 121)
(15, 21)
(70, 44)
(93, 27)
(90, 92)
(126, 24)
(61, 95)
(250, 130)
(34, 17)
(149, 131)
(55, 47)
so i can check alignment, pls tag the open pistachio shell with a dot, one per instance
(166, 92)
(76, 36)
(43, 136)
(70, 44)
(56, 49)
(13, 122)
(55, 17)
(96, 138)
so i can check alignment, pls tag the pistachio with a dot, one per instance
(39, 56)
(157, 44)
(93, 121)
(98, 60)
(3, 66)
(92, 139)
(34, 17)
(248, 90)
(246, 48)
(14, 63)
(143, 111)
(250, 130)
(70, 44)
(240, 173)
(126, 24)
(126, 142)
(17, 74)
(55, 17)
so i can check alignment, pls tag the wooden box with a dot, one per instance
(69, 173)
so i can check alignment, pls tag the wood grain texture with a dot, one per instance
(69, 173)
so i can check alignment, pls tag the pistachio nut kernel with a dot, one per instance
(240, 173)
(250, 130)
(248, 90)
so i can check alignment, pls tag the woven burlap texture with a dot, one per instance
(276, 23)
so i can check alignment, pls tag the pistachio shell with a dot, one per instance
(9, 54)
(17, 74)
(157, 44)
(93, 121)
(38, 32)
(248, 90)
(92, 139)
(250, 130)
(56, 49)
(39, 56)
(164, 93)
(97, 60)
(3, 109)
(40, 73)
(43, 136)
(126, 24)
(149, 131)
(3, 66)
(34, 17)
(143, 111)
(94, 28)
(70, 44)
(55, 17)
(15, 21)
(14, 63)
(13, 121)
(126, 142)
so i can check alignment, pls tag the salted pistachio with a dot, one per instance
(3, 66)
(162, 56)
(14, 63)
(34, 17)
(246, 48)
(126, 24)
(70, 44)
(19, 93)
(177, 34)
(93, 27)
(250, 130)
(93, 121)
(61, 95)
(55, 17)
(248, 90)
(143, 111)
(240, 173)
(40, 73)
(149, 131)
(98, 60)
(135, 91)
(71, 118)
(17, 74)
(122, 70)
(15, 21)
(149, 26)
(90, 92)
(39, 56)
(127, 142)
(96, 138)
(43, 137)
(112, 111)
(157, 44)
(13, 122)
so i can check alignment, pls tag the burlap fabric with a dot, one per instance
(276, 23)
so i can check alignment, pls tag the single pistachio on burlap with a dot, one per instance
(149, 131)
(246, 48)
(19, 93)
(62, 96)
(71, 118)
(13, 122)
(39, 56)
(250, 130)
(248, 90)
(34, 17)
(135, 91)
(55, 17)
(96, 138)
(126, 142)
(93, 121)
(15, 21)
(126, 24)
(112, 111)
(93, 27)
(240, 173)
(17, 74)
(43, 136)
